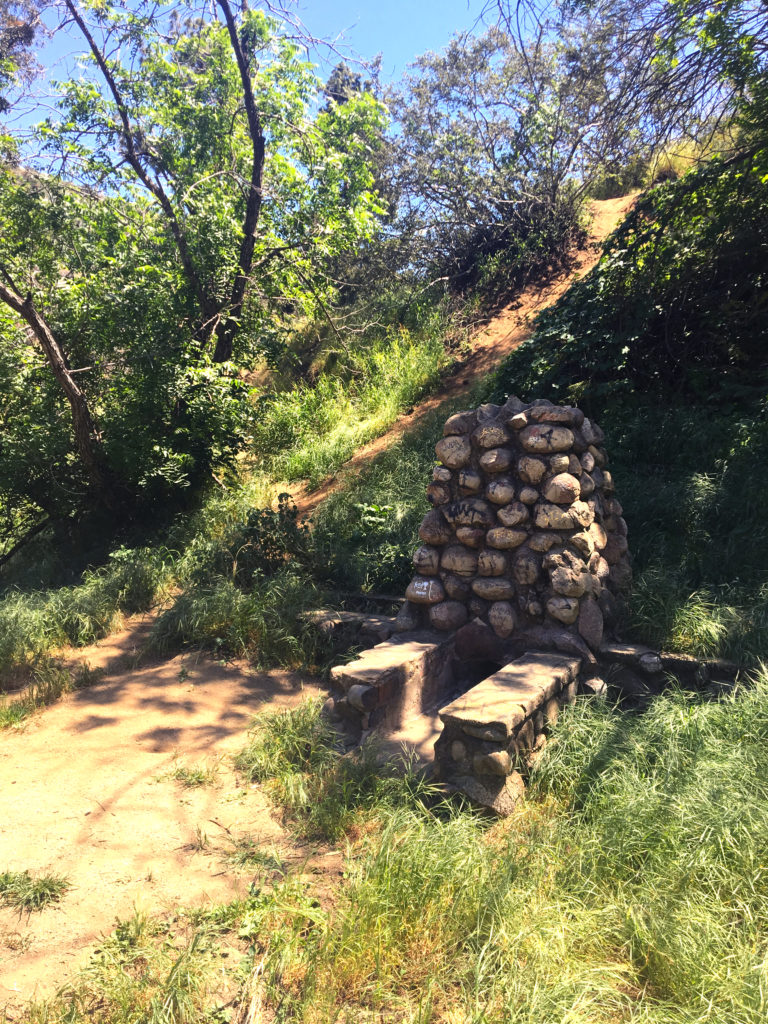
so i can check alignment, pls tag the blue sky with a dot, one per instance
(398, 29)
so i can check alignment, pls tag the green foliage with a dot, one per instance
(25, 893)
(32, 624)
(263, 623)
(192, 776)
(134, 979)
(676, 304)
(49, 681)
(629, 887)
(133, 260)
(19, 19)
(491, 144)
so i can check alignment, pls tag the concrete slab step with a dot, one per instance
(362, 626)
(502, 702)
(398, 679)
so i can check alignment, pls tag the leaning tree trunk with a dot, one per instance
(87, 440)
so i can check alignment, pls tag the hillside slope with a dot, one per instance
(490, 346)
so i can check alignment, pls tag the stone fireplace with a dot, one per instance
(526, 538)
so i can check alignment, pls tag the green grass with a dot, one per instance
(323, 793)
(631, 886)
(247, 854)
(35, 623)
(141, 975)
(25, 893)
(308, 432)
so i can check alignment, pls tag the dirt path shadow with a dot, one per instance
(85, 793)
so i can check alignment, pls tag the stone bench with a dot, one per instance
(346, 628)
(395, 680)
(486, 728)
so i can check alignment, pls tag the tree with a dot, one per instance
(494, 151)
(19, 21)
(193, 194)
(672, 68)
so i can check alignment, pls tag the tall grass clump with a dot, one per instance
(23, 892)
(48, 683)
(137, 979)
(35, 623)
(261, 622)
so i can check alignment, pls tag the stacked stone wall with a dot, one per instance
(525, 534)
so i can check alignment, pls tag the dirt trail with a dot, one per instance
(490, 346)
(85, 793)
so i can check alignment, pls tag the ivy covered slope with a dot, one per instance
(664, 343)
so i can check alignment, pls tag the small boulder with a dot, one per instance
(456, 587)
(427, 560)
(505, 538)
(448, 615)
(491, 563)
(530, 469)
(496, 460)
(562, 489)
(513, 514)
(434, 529)
(502, 618)
(493, 588)
(543, 438)
(438, 493)
(454, 451)
(470, 481)
(591, 623)
(460, 423)
(526, 567)
(500, 491)
(564, 609)
(425, 590)
(458, 559)
(490, 435)
(552, 517)
(469, 512)
(472, 536)
(497, 762)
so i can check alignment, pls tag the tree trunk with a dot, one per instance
(229, 324)
(87, 440)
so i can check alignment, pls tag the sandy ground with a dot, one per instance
(490, 346)
(85, 793)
